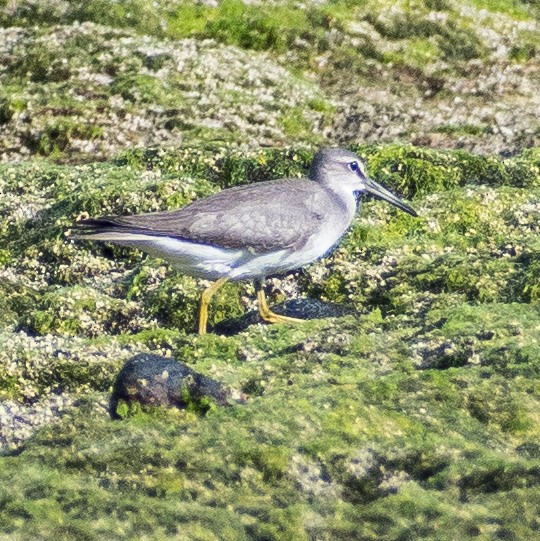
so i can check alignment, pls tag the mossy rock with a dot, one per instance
(99, 77)
(369, 438)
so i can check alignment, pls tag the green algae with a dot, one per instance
(368, 461)
(390, 423)
(120, 63)
(87, 91)
(276, 26)
(415, 418)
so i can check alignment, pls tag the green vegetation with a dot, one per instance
(127, 14)
(456, 185)
(85, 80)
(386, 424)
(416, 417)
(57, 135)
(521, 9)
(77, 93)
(463, 129)
(375, 448)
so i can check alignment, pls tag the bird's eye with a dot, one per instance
(354, 167)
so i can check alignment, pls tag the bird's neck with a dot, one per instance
(345, 198)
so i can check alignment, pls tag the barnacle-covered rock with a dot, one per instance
(418, 407)
(86, 91)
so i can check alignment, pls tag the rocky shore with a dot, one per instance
(406, 407)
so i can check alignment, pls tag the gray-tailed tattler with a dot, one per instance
(251, 231)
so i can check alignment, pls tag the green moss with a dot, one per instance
(527, 47)
(59, 133)
(107, 87)
(490, 406)
(275, 27)
(80, 311)
(321, 105)
(36, 65)
(385, 45)
(125, 409)
(174, 300)
(462, 129)
(272, 27)
(295, 124)
(238, 461)
(137, 14)
(437, 5)
(389, 423)
(5, 110)
(189, 19)
(359, 432)
(524, 170)
(195, 405)
(519, 10)
(426, 39)
(145, 89)
(459, 42)
(411, 170)
(418, 170)
(412, 23)
(418, 53)
(524, 53)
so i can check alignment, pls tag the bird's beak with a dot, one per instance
(374, 188)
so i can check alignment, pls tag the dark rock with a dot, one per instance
(299, 308)
(154, 380)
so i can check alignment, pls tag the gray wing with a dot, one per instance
(263, 217)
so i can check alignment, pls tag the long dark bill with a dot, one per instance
(376, 189)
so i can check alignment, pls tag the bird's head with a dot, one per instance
(344, 172)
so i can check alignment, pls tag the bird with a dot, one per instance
(252, 231)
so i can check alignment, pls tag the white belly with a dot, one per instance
(286, 260)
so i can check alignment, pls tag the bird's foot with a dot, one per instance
(271, 317)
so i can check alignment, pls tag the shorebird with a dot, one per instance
(252, 231)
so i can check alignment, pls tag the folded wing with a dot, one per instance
(262, 218)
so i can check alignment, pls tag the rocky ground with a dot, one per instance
(413, 417)
(80, 81)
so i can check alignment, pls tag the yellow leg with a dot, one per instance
(267, 314)
(206, 297)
